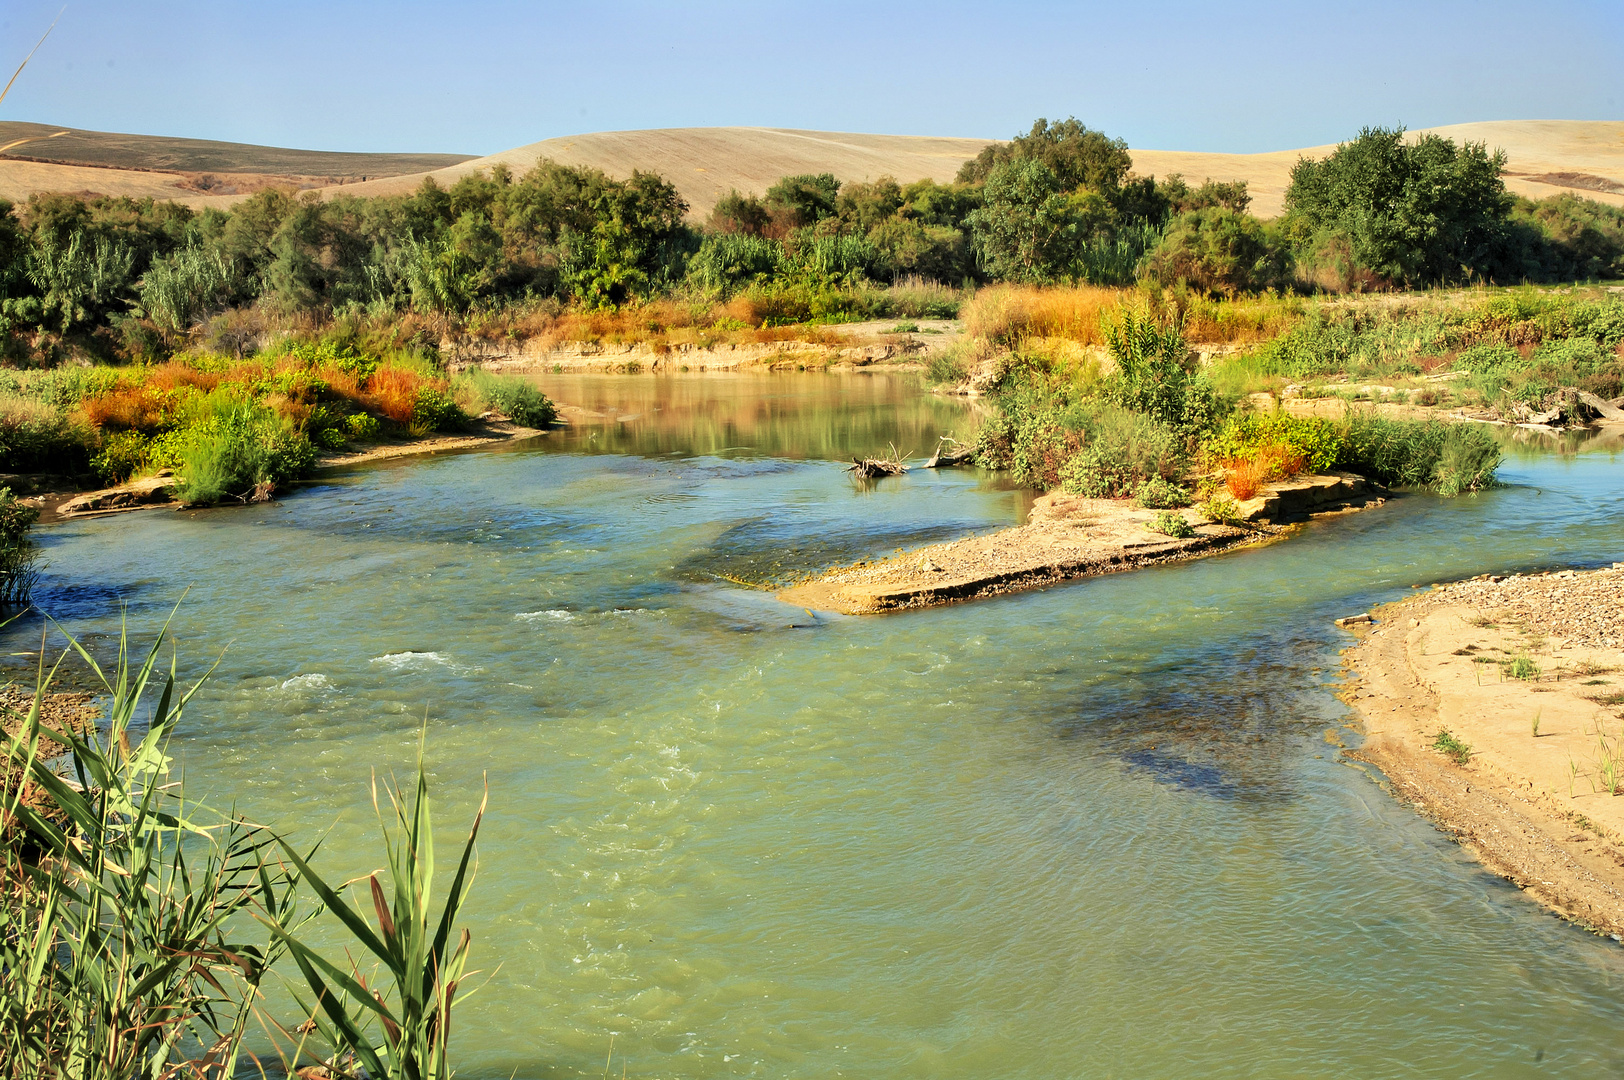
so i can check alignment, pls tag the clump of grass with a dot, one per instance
(1614, 698)
(1171, 523)
(517, 399)
(1451, 747)
(1610, 765)
(245, 454)
(1533, 724)
(1158, 494)
(1522, 667)
(1220, 510)
(418, 951)
(124, 950)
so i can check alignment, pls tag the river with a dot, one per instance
(1100, 830)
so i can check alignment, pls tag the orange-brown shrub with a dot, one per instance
(392, 393)
(1269, 463)
(1244, 479)
(131, 408)
(175, 374)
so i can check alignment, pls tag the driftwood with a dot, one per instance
(1567, 407)
(955, 454)
(873, 468)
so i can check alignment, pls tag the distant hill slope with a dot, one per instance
(1546, 157)
(163, 167)
(707, 163)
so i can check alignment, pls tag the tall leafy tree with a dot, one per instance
(1412, 212)
(1030, 226)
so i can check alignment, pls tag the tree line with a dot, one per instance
(1059, 203)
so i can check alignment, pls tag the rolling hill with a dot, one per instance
(1545, 157)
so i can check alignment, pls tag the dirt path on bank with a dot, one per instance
(1533, 801)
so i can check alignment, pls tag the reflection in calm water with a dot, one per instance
(1092, 831)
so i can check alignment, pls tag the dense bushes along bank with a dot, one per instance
(1157, 429)
(118, 278)
(239, 428)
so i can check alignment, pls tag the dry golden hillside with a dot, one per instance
(1546, 157)
(707, 163)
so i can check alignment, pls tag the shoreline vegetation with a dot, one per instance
(231, 347)
(1493, 707)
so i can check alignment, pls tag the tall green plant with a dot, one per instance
(1156, 373)
(119, 954)
(414, 950)
(19, 555)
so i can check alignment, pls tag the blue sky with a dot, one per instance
(481, 76)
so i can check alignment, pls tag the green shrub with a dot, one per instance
(1156, 374)
(1493, 358)
(1217, 250)
(1171, 523)
(1578, 355)
(19, 555)
(1121, 452)
(361, 426)
(1159, 494)
(1220, 509)
(1319, 441)
(123, 454)
(435, 411)
(515, 398)
(244, 454)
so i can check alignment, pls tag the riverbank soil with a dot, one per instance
(1527, 674)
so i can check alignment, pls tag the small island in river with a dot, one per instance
(1066, 537)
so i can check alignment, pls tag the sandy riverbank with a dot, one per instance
(1066, 537)
(1536, 805)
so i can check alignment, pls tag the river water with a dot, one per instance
(1096, 831)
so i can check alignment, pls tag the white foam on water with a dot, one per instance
(555, 613)
(309, 682)
(420, 661)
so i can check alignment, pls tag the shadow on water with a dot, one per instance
(1230, 722)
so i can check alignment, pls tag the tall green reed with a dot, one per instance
(120, 953)
(401, 1030)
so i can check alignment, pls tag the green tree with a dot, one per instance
(1078, 155)
(1217, 250)
(1030, 226)
(1410, 212)
(798, 201)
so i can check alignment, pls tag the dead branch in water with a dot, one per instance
(872, 468)
(949, 451)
